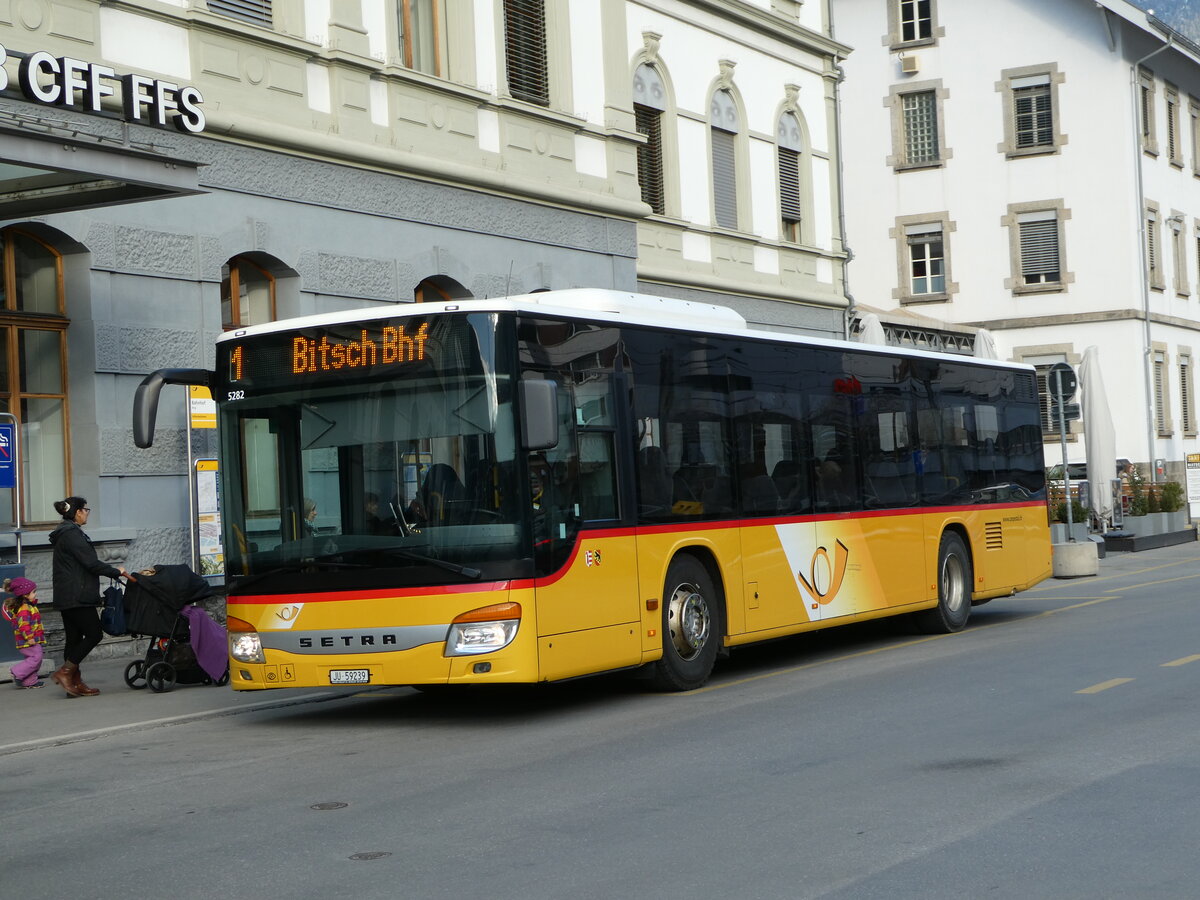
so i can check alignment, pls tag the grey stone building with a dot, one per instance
(173, 168)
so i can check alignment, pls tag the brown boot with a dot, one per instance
(84, 690)
(64, 676)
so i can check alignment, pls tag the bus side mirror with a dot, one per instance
(145, 400)
(539, 414)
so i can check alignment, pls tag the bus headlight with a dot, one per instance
(244, 643)
(483, 630)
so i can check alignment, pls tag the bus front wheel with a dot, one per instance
(690, 626)
(955, 579)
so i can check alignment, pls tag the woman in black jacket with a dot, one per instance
(77, 572)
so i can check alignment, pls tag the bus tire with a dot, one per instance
(690, 626)
(955, 579)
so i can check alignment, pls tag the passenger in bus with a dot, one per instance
(375, 524)
(440, 492)
(308, 524)
(832, 490)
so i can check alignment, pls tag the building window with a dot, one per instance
(1046, 397)
(1154, 268)
(421, 35)
(724, 132)
(649, 104)
(1194, 124)
(1187, 409)
(1162, 411)
(790, 146)
(1039, 249)
(1173, 154)
(1034, 117)
(525, 51)
(256, 12)
(1179, 255)
(920, 127)
(912, 22)
(1146, 111)
(918, 132)
(1031, 116)
(927, 260)
(247, 294)
(923, 258)
(33, 337)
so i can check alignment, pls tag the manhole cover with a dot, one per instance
(375, 855)
(332, 804)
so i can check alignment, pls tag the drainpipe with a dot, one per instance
(1147, 349)
(837, 136)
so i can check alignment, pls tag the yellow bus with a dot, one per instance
(541, 487)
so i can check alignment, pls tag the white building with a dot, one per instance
(1033, 168)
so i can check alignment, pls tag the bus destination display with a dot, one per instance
(279, 358)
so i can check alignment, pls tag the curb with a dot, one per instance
(76, 737)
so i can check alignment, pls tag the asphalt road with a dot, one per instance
(1050, 750)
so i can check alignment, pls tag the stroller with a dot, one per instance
(187, 646)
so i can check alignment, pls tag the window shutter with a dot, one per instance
(724, 178)
(525, 51)
(1039, 249)
(1160, 394)
(789, 184)
(256, 12)
(1044, 399)
(1185, 394)
(1034, 117)
(649, 156)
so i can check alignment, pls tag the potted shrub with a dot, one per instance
(1172, 503)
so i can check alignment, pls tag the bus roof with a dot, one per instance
(595, 304)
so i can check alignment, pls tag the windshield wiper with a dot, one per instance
(299, 565)
(465, 571)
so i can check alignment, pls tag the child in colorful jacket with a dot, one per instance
(27, 629)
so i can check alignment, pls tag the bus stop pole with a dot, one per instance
(1062, 437)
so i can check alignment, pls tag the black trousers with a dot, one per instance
(82, 625)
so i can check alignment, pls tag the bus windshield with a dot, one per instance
(370, 455)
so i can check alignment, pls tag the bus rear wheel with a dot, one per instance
(690, 626)
(955, 579)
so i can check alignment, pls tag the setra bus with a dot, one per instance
(553, 485)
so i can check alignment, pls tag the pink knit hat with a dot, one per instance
(21, 586)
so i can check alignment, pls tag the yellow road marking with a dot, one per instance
(1051, 584)
(1032, 592)
(1183, 661)
(1161, 581)
(812, 665)
(1104, 685)
(1051, 612)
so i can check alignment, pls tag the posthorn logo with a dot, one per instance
(825, 575)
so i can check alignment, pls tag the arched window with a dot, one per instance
(649, 104)
(33, 381)
(439, 287)
(724, 130)
(790, 196)
(247, 293)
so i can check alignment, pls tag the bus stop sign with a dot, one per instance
(8, 455)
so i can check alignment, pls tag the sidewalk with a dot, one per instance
(47, 717)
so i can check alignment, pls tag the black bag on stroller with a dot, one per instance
(154, 608)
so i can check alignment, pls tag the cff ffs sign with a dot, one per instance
(8, 455)
(76, 84)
